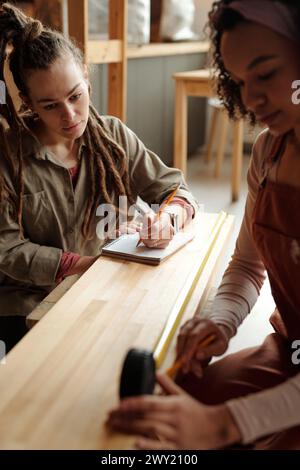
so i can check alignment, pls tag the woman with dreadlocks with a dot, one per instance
(59, 162)
(250, 398)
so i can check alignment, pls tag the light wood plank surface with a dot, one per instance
(60, 381)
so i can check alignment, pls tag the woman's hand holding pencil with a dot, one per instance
(157, 231)
(198, 341)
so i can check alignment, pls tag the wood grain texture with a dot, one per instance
(60, 381)
(78, 23)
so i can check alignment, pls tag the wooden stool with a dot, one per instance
(219, 120)
(200, 83)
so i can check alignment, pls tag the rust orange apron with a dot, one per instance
(276, 233)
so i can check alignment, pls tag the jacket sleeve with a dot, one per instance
(150, 178)
(22, 260)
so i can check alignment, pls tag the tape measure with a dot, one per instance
(138, 373)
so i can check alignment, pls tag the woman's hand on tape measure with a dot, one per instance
(173, 421)
(194, 350)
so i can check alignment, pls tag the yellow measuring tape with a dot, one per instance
(178, 310)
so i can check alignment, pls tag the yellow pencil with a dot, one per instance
(178, 364)
(165, 203)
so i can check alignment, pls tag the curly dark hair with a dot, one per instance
(222, 19)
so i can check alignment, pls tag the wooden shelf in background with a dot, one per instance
(109, 51)
(167, 49)
(101, 51)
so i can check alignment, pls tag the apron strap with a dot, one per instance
(272, 158)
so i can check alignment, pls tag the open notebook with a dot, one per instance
(125, 248)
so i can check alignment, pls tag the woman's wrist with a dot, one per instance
(226, 331)
(182, 213)
(227, 431)
(82, 265)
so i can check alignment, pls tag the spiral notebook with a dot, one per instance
(125, 248)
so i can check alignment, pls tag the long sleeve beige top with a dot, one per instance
(278, 408)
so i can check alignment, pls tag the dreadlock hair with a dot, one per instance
(36, 48)
(222, 19)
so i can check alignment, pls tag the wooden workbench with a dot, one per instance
(60, 381)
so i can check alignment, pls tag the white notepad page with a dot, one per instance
(125, 247)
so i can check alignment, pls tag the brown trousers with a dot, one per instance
(248, 371)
